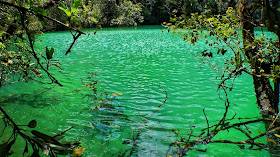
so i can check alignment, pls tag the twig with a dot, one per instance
(41, 15)
(208, 132)
(31, 42)
(273, 122)
(139, 132)
(243, 123)
(10, 119)
(244, 132)
(222, 121)
(75, 37)
(64, 131)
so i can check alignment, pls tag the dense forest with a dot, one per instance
(230, 24)
(120, 13)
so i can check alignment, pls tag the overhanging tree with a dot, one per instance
(21, 62)
(234, 35)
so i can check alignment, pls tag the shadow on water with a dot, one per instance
(36, 99)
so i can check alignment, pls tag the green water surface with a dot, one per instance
(134, 62)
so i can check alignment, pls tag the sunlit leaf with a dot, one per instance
(67, 12)
(270, 140)
(10, 61)
(116, 94)
(78, 151)
(277, 135)
(30, 2)
(62, 5)
(2, 45)
(75, 6)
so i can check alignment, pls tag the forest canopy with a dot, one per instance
(108, 13)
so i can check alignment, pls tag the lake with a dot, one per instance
(130, 64)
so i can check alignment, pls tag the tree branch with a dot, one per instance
(47, 17)
(208, 132)
(140, 131)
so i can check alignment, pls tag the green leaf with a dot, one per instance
(40, 11)
(62, 5)
(49, 53)
(45, 138)
(278, 9)
(5, 148)
(67, 12)
(30, 2)
(32, 124)
(26, 148)
(75, 6)
(2, 45)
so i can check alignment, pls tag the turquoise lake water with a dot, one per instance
(133, 62)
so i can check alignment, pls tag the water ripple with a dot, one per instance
(133, 62)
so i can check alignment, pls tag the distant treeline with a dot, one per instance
(122, 13)
(116, 13)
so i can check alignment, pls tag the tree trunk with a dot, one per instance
(266, 98)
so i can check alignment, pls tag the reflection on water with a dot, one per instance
(133, 62)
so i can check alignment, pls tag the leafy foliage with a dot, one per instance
(21, 62)
(258, 57)
(89, 14)
(39, 142)
(17, 66)
(128, 14)
(210, 134)
(233, 36)
(71, 12)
